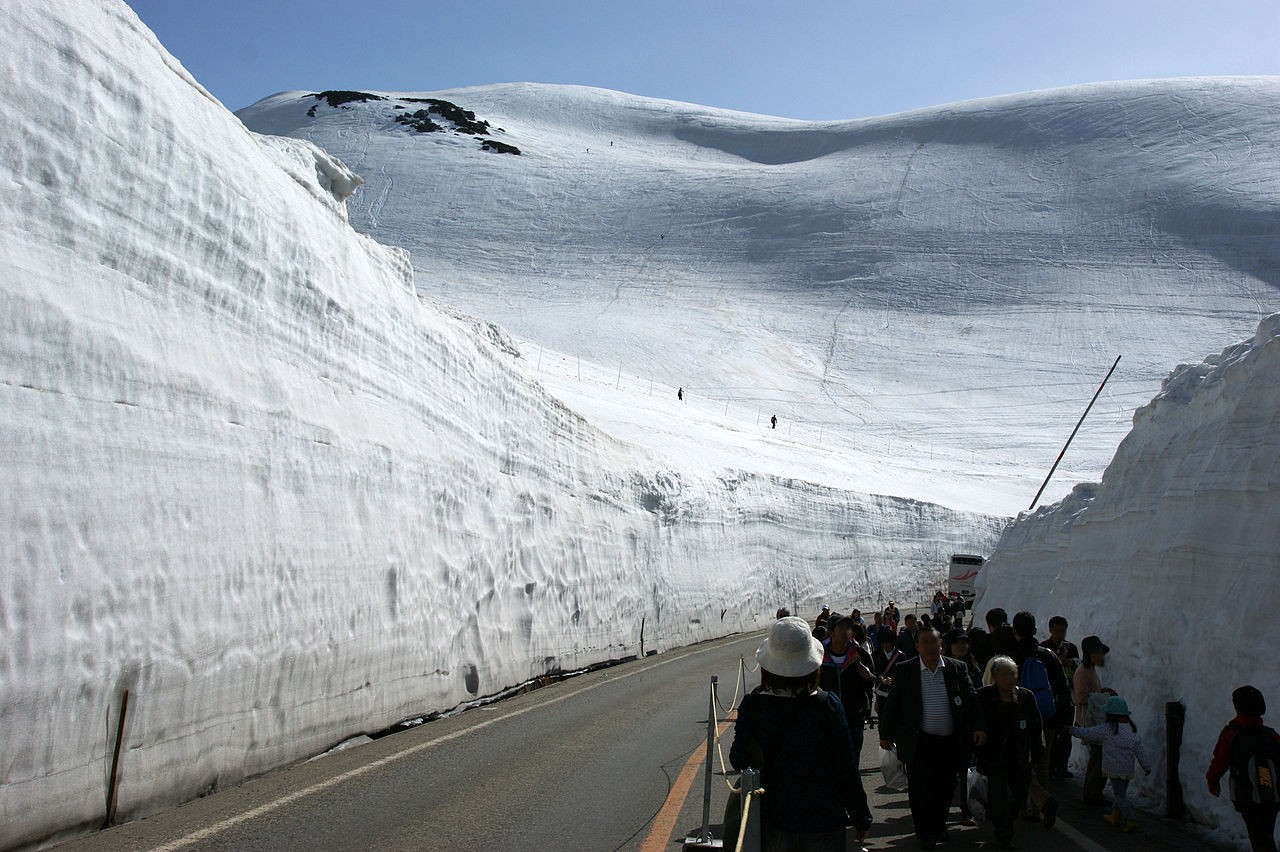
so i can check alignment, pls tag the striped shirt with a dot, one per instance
(935, 704)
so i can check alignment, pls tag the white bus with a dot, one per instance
(963, 573)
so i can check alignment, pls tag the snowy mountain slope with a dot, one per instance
(1183, 521)
(252, 478)
(926, 300)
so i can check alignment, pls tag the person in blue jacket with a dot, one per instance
(798, 736)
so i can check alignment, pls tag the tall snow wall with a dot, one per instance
(250, 477)
(1174, 558)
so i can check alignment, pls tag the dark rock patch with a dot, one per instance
(498, 147)
(338, 97)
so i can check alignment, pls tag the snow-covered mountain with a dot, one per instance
(252, 478)
(1172, 559)
(926, 300)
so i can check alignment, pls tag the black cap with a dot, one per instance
(1248, 701)
(956, 634)
(886, 635)
(839, 620)
(1092, 643)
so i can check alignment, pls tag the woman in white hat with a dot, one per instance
(798, 736)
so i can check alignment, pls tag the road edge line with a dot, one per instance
(364, 769)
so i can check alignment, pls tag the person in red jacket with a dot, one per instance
(1244, 738)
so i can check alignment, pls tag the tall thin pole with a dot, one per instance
(1096, 394)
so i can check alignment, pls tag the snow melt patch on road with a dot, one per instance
(1173, 558)
(251, 477)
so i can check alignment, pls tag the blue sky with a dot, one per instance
(811, 60)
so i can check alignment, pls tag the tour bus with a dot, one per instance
(963, 573)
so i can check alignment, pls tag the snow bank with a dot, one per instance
(926, 301)
(252, 478)
(1174, 557)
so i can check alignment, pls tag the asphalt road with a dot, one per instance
(607, 761)
(583, 764)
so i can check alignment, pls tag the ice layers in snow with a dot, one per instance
(252, 478)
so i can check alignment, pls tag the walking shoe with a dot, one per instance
(1113, 817)
(1050, 812)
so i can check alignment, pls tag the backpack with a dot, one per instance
(1255, 758)
(1035, 677)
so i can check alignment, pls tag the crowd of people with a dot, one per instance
(994, 699)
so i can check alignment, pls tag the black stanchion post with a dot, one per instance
(1175, 717)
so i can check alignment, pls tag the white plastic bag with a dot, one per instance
(893, 770)
(976, 790)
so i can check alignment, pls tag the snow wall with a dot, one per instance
(252, 478)
(1173, 559)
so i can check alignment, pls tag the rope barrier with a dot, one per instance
(748, 799)
(736, 701)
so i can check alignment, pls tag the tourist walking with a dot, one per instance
(1040, 671)
(1121, 746)
(1057, 740)
(845, 673)
(1248, 752)
(933, 719)
(798, 736)
(1089, 697)
(1013, 746)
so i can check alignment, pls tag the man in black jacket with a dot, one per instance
(1040, 805)
(933, 716)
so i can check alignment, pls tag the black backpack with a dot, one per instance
(1255, 759)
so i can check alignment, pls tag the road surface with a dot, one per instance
(611, 760)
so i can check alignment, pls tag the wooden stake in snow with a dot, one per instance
(115, 762)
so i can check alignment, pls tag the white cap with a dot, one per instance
(790, 650)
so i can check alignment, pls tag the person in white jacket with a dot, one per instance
(1121, 746)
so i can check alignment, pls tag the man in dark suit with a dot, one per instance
(933, 716)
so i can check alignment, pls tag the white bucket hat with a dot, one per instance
(790, 650)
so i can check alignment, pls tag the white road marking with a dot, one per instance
(233, 821)
(1078, 838)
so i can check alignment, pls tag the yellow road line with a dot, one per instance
(664, 824)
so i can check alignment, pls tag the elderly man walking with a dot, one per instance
(933, 717)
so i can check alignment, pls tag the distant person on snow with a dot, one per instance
(799, 737)
(773, 422)
(680, 394)
(1250, 752)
